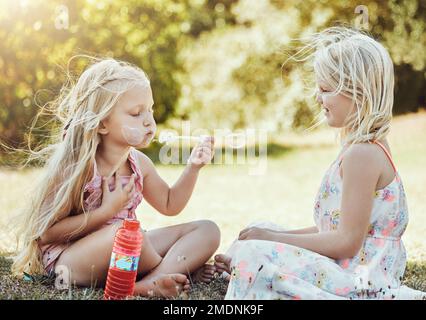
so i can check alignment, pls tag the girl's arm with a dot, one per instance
(112, 202)
(171, 201)
(361, 170)
(307, 230)
(61, 231)
(313, 229)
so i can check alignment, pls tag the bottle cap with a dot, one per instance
(131, 224)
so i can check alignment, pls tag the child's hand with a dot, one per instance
(255, 233)
(117, 200)
(202, 154)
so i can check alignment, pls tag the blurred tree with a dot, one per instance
(215, 62)
(37, 39)
(232, 74)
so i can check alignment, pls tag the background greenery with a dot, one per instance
(215, 62)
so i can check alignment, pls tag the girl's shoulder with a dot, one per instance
(369, 160)
(362, 157)
(364, 152)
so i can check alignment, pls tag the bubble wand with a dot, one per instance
(168, 137)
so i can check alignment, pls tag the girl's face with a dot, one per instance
(337, 108)
(131, 122)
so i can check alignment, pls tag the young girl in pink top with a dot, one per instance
(79, 205)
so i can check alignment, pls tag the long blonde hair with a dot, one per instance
(360, 68)
(80, 107)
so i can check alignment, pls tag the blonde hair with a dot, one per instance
(80, 107)
(360, 68)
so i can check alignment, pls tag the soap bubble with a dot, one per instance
(166, 136)
(233, 140)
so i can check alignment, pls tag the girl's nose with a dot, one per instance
(149, 122)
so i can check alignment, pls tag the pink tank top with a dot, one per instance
(92, 200)
(93, 190)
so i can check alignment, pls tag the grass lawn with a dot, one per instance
(232, 198)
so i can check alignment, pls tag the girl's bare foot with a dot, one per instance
(163, 285)
(223, 264)
(204, 274)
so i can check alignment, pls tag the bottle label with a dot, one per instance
(123, 262)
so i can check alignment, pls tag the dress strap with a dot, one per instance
(342, 153)
(386, 152)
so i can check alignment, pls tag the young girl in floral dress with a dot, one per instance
(355, 250)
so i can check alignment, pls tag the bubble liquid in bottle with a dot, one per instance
(124, 261)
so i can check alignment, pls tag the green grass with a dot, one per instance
(44, 289)
(12, 288)
(232, 198)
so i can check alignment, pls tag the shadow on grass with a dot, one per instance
(12, 288)
(415, 275)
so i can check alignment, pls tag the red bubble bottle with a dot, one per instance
(123, 266)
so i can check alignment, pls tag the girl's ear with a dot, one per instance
(102, 129)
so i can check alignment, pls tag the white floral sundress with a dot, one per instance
(272, 270)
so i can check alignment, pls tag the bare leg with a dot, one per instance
(86, 262)
(184, 248)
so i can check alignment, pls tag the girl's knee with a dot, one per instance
(146, 243)
(211, 230)
(149, 257)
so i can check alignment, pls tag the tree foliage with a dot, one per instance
(233, 74)
(215, 62)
